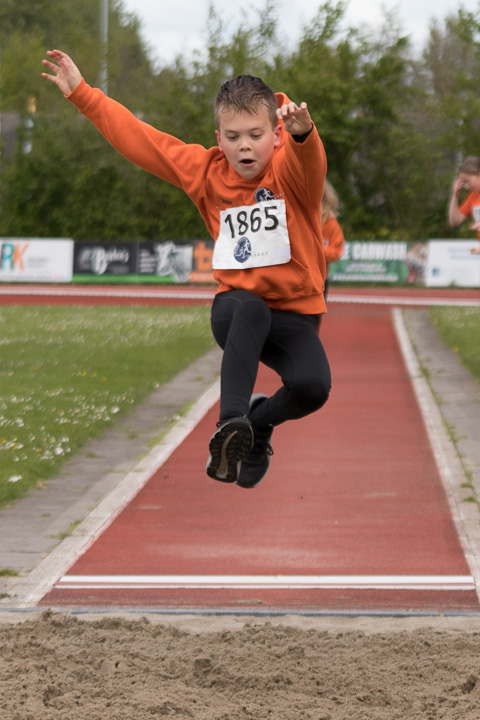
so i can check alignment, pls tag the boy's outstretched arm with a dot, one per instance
(296, 120)
(67, 75)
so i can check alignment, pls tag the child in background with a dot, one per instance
(469, 179)
(334, 241)
(259, 191)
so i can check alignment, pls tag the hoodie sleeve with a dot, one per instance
(157, 152)
(305, 164)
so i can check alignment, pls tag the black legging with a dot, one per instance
(249, 331)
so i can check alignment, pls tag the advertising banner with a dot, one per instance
(102, 262)
(202, 257)
(434, 263)
(164, 262)
(452, 263)
(376, 261)
(143, 262)
(36, 260)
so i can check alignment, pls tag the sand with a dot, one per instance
(55, 665)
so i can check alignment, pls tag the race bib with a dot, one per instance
(476, 213)
(252, 236)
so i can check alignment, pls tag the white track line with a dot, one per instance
(107, 292)
(29, 592)
(448, 463)
(205, 294)
(393, 300)
(268, 582)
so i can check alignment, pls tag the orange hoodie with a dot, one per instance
(296, 173)
(334, 241)
(471, 208)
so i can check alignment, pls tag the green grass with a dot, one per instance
(8, 572)
(67, 373)
(460, 328)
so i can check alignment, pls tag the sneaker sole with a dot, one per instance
(230, 444)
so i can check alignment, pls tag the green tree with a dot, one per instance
(449, 76)
(394, 125)
(451, 65)
(63, 179)
(358, 89)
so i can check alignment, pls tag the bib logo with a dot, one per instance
(263, 194)
(243, 250)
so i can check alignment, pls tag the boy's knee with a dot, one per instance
(255, 310)
(311, 394)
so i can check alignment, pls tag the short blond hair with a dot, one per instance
(246, 94)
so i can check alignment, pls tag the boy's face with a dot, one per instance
(470, 182)
(247, 140)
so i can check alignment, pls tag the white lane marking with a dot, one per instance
(448, 464)
(30, 591)
(274, 582)
(393, 300)
(107, 292)
(208, 294)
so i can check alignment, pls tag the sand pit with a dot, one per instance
(124, 668)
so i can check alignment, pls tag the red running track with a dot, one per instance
(353, 507)
(23, 294)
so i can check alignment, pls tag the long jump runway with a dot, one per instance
(353, 515)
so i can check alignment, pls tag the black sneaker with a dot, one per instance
(255, 466)
(228, 446)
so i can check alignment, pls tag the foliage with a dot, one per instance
(395, 124)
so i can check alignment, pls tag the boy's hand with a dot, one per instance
(296, 120)
(67, 75)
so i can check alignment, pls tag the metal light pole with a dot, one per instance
(1, 111)
(103, 74)
(1, 108)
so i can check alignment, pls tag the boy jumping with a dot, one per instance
(259, 192)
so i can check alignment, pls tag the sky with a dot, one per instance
(179, 26)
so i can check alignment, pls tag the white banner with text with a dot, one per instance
(36, 260)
